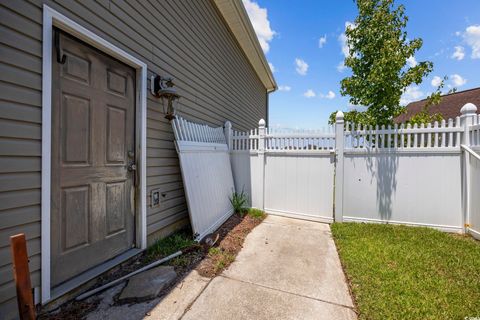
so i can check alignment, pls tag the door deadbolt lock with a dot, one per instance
(132, 166)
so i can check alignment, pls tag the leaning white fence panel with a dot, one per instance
(207, 175)
(404, 174)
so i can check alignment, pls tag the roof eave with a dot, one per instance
(236, 16)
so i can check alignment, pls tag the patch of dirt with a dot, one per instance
(208, 261)
(232, 235)
(71, 310)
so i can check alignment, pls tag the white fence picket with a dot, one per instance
(193, 132)
(398, 138)
(475, 134)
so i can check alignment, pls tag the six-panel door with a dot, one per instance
(93, 144)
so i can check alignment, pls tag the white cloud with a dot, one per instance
(341, 66)
(356, 107)
(342, 38)
(330, 95)
(284, 88)
(412, 93)
(440, 52)
(459, 53)
(412, 62)
(472, 38)
(436, 81)
(343, 43)
(322, 41)
(457, 80)
(301, 66)
(309, 93)
(272, 67)
(259, 18)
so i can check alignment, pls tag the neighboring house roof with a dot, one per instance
(237, 19)
(449, 106)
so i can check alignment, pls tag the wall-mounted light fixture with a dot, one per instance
(163, 88)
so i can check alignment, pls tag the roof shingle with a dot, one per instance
(449, 106)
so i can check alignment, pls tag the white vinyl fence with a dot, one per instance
(206, 172)
(413, 175)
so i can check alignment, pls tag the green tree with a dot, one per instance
(436, 97)
(378, 54)
(353, 116)
(425, 115)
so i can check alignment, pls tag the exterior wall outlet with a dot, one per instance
(155, 198)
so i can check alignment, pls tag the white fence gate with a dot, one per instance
(420, 175)
(291, 172)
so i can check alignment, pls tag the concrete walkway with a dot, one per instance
(288, 269)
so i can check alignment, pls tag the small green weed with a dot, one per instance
(239, 202)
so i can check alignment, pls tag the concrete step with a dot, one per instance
(148, 284)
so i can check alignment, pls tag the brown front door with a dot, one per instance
(93, 144)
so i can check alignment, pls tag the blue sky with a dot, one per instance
(291, 31)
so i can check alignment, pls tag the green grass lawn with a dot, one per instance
(398, 272)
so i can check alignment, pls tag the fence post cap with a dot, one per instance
(261, 123)
(339, 115)
(468, 108)
(228, 124)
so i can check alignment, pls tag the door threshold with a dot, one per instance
(90, 274)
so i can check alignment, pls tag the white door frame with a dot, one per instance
(52, 18)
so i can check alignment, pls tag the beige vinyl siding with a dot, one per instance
(20, 147)
(184, 39)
